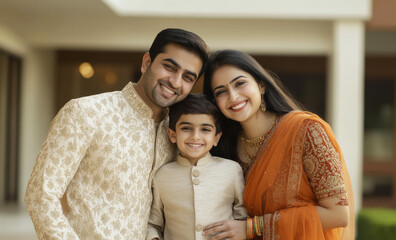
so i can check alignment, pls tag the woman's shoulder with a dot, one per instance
(299, 117)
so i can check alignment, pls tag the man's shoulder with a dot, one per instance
(95, 103)
(97, 98)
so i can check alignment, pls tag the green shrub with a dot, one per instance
(376, 223)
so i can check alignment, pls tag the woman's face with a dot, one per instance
(237, 93)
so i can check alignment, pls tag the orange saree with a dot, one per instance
(284, 184)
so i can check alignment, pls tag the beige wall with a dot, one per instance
(37, 110)
(37, 99)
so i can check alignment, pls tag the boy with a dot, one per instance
(196, 189)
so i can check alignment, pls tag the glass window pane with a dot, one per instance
(377, 186)
(379, 120)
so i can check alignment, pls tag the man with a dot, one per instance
(92, 178)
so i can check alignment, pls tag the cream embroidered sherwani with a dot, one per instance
(100, 154)
(187, 198)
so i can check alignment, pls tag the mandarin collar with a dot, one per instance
(137, 102)
(201, 162)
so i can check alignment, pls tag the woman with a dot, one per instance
(297, 184)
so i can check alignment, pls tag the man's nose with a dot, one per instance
(176, 80)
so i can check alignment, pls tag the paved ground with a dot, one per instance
(15, 224)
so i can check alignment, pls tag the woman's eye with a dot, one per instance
(239, 83)
(218, 93)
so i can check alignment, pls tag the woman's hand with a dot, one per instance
(333, 212)
(228, 229)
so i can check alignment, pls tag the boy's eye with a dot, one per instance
(206, 130)
(185, 128)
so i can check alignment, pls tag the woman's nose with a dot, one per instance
(233, 95)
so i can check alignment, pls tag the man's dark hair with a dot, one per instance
(195, 103)
(188, 40)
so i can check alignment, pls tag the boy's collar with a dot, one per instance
(201, 162)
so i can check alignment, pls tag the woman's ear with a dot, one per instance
(171, 135)
(262, 88)
(146, 62)
(217, 138)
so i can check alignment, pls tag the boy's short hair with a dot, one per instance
(195, 103)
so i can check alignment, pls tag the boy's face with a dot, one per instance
(195, 135)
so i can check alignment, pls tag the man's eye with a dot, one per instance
(189, 78)
(170, 67)
(185, 128)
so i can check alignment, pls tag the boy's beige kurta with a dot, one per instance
(101, 153)
(187, 198)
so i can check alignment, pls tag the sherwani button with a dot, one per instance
(196, 181)
(196, 173)
(198, 228)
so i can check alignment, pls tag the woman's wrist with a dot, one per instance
(254, 227)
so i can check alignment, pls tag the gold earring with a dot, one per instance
(263, 106)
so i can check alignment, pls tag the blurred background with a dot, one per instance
(337, 57)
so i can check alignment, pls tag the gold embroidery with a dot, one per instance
(322, 163)
(343, 201)
(99, 156)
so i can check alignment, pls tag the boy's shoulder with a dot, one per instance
(226, 161)
(169, 166)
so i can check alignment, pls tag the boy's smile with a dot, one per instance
(195, 135)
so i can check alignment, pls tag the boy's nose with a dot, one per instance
(195, 134)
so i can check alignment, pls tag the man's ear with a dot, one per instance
(171, 135)
(146, 62)
(217, 138)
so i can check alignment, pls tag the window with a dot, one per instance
(83, 73)
(10, 67)
(379, 178)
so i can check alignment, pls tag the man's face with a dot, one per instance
(170, 77)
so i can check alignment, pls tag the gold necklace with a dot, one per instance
(255, 143)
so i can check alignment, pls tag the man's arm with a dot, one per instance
(55, 167)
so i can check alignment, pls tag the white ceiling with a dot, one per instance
(43, 22)
(91, 24)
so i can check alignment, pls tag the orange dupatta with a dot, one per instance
(277, 186)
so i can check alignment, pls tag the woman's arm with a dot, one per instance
(333, 213)
(324, 172)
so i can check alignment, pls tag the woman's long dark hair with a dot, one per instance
(277, 98)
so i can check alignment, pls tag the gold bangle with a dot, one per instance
(261, 223)
(249, 228)
(257, 226)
